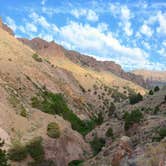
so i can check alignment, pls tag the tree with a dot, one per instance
(151, 92)
(156, 89)
(135, 98)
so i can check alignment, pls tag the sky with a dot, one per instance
(130, 32)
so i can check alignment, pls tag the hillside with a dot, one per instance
(152, 78)
(52, 49)
(62, 111)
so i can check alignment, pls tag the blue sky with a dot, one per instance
(131, 33)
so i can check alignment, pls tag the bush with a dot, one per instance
(23, 112)
(35, 149)
(99, 119)
(97, 144)
(109, 133)
(37, 58)
(112, 109)
(156, 89)
(162, 132)
(53, 130)
(18, 152)
(135, 98)
(134, 117)
(3, 155)
(55, 104)
(75, 163)
(151, 92)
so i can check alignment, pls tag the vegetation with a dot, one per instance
(53, 130)
(42, 163)
(18, 152)
(162, 132)
(23, 112)
(55, 104)
(156, 89)
(97, 144)
(134, 117)
(151, 92)
(135, 98)
(99, 119)
(37, 58)
(109, 133)
(35, 149)
(3, 155)
(75, 163)
(112, 109)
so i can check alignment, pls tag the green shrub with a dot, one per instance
(151, 92)
(109, 133)
(75, 163)
(162, 132)
(99, 119)
(3, 155)
(37, 58)
(18, 152)
(135, 98)
(53, 130)
(156, 89)
(134, 117)
(35, 149)
(23, 112)
(97, 144)
(55, 104)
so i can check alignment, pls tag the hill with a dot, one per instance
(152, 78)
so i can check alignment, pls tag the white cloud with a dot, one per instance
(102, 27)
(92, 16)
(31, 27)
(93, 41)
(146, 45)
(125, 12)
(89, 14)
(11, 23)
(39, 20)
(159, 18)
(162, 23)
(146, 30)
(78, 12)
(162, 52)
(125, 18)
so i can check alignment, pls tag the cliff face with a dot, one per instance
(46, 48)
(152, 78)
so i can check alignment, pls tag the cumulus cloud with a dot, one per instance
(94, 41)
(162, 23)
